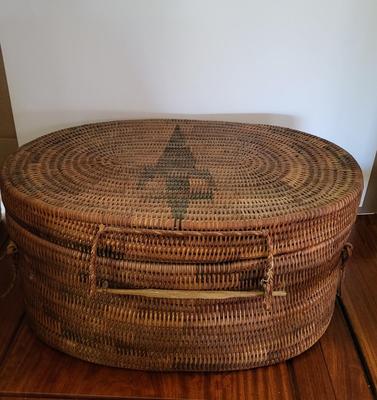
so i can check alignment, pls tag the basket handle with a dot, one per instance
(267, 281)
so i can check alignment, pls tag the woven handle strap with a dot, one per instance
(267, 281)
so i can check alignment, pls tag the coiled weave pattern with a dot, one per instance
(180, 244)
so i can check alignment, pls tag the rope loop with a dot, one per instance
(345, 254)
(11, 250)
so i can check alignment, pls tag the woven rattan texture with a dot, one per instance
(180, 205)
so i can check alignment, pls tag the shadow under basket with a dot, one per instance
(180, 244)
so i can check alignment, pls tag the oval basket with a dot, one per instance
(180, 244)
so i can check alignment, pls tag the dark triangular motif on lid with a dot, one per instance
(183, 181)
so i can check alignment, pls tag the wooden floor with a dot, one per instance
(342, 365)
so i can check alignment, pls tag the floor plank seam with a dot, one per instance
(328, 372)
(293, 380)
(367, 373)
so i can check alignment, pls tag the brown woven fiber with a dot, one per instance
(179, 244)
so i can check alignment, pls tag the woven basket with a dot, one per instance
(180, 245)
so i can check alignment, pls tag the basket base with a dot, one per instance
(149, 366)
(238, 346)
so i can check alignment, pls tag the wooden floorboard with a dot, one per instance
(332, 369)
(359, 292)
(311, 377)
(11, 307)
(342, 361)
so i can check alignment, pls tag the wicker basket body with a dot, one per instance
(180, 245)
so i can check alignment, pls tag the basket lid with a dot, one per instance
(178, 175)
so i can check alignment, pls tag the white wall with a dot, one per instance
(311, 65)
